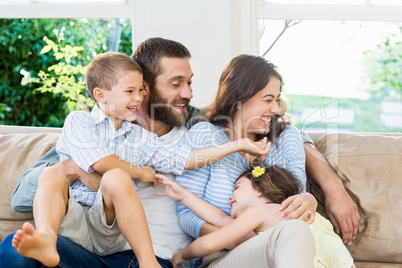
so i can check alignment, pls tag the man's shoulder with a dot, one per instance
(193, 113)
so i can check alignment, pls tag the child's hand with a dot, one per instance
(148, 175)
(172, 189)
(177, 260)
(260, 147)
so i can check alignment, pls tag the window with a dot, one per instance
(341, 64)
(96, 26)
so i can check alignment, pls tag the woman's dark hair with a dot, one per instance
(242, 78)
(276, 184)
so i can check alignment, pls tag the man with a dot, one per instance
(167, 78)
(165, 110)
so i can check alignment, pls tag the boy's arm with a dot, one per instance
(205, 156)
(201, 208)
(144, 173)
(220, 239)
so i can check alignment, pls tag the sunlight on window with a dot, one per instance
(349, 67)
(387, 2)
(81, 1)
(330, 2)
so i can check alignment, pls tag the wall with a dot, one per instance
(204, 27)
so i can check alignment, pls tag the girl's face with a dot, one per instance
(256, 113)
(244, 196)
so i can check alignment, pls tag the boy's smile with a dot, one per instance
(125, 98)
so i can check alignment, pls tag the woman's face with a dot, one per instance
(256, 113)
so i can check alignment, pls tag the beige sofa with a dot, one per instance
(370, 165)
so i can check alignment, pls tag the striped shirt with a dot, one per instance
(214, 183)
(89, 137)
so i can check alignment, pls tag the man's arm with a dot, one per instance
(24, 192)
(341, 209)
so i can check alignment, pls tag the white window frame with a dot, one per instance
(32, 9)
(90, 10)
(282, 11)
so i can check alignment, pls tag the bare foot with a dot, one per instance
(35, 245)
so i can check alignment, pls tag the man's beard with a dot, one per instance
(158, 109)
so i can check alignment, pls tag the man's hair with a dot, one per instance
(149, 53)
(105, 69)
(276, 184)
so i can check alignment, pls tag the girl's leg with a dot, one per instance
(49, 208)
(288, 244)
(121, 202)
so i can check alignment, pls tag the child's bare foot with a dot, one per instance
(35, 245)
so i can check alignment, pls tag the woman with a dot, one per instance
(249, 104)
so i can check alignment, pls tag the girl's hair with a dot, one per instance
(242, 78)
(105, 69)
(276, 184)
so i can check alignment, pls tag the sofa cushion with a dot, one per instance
(18, 153)
(370, 166)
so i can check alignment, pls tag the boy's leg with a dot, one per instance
(121, 202)
(71, 255)
(49, 208)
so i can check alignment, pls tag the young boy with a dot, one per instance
(106, 141)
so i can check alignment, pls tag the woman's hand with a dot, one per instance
(177, 260)
(258, 148)
(301, 206)
(172, 189)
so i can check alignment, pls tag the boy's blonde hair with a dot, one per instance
(105, 69)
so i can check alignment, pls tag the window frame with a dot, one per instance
(335, 12)
(33, 9)
(366, 12)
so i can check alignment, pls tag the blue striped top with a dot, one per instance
(215, 182)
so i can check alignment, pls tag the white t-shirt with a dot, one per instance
(166, 234)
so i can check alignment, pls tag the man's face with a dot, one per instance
(169, 100)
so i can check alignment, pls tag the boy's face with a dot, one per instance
(125, 98)
(170, 99)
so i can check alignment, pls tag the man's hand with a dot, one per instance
(74, 172)
(343, 214)
(341, 209)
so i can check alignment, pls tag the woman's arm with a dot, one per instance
(205, 156)
(203, 209)
(290, 148)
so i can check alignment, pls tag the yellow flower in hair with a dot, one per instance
(258, 171)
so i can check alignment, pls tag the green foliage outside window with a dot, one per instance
(63, 77)
(384, 67)
(21, 41)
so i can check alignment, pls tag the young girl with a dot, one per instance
(255, 204)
